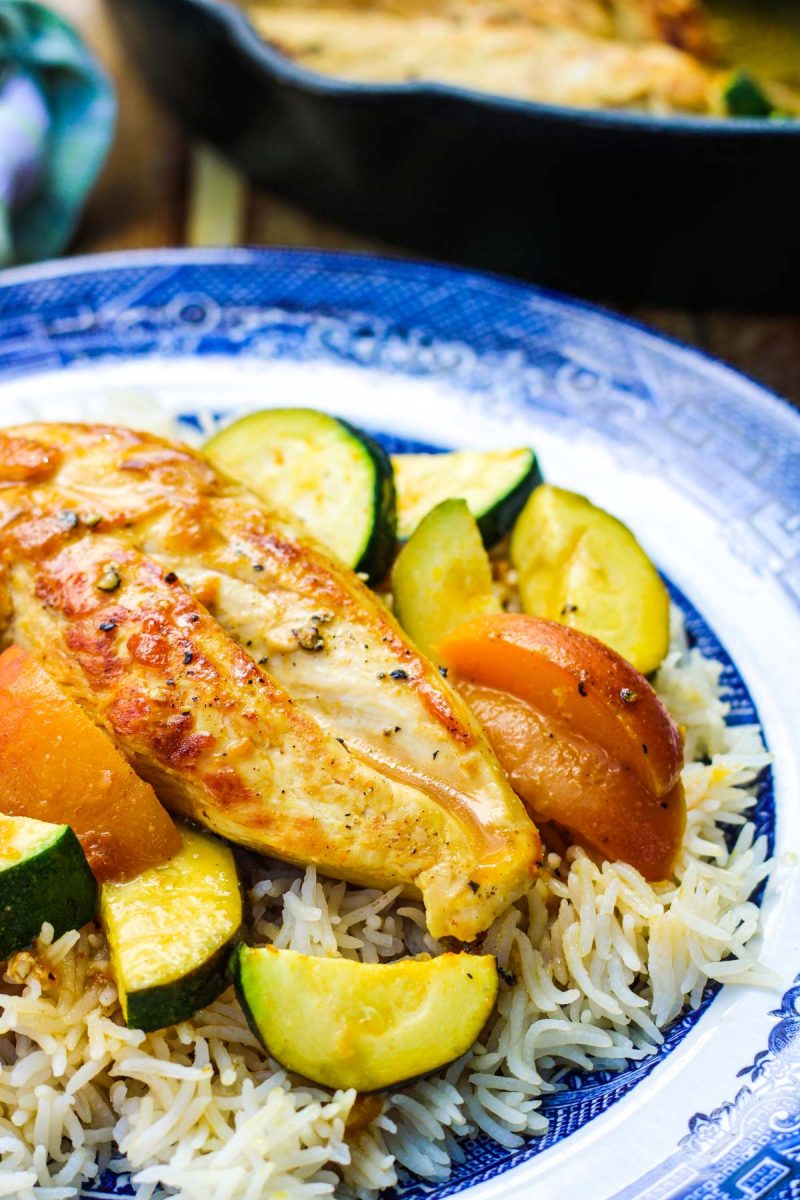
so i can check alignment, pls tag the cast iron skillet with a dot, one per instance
(624, 206)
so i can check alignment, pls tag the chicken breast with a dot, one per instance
(504, 56)
(257, 684)
(590, 16)
(682, 23)
(685, 24)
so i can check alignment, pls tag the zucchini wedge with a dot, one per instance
(367, 1026)
(171, 930)
(743, 96)
(442, 576)
(323, 470)
(494, 483)
(44, 876)
(582, 567)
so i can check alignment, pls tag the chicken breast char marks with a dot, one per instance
(257, 684)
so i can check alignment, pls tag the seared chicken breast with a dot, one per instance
(260, 687)
(551, 66)
(589, 53)
(591, 16)
(682, 23)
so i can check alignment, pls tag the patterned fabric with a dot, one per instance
(57, 114)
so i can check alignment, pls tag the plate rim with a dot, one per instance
(364, 260)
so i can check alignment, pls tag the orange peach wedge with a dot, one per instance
(56, 766)
(583, 737)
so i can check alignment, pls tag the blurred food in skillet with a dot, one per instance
(659, 56)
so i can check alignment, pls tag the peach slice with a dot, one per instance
(56, 766)
(583, 737)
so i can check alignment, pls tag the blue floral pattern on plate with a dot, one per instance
(509, 351)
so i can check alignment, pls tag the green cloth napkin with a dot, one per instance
(57, 112)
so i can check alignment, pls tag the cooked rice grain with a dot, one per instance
(598, 963)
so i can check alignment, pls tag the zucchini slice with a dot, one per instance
(44, 876)
(743, 96)
(171, 931)
(494, 483)
(323, 470)
(442, 576)
(367, 1026)
(579, 565)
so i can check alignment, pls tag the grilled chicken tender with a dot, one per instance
(260, 687)
(591, 16)
(526, 62)
(681, 23)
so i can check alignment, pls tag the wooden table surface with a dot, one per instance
(147, 196)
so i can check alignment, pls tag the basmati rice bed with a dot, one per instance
(596, 964)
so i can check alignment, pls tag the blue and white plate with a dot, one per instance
(704, 464)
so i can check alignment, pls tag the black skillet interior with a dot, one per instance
(621, 206)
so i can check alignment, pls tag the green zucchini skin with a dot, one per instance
(744, 96)
(300, 1007)
(235, 968)
(379, 551)
(168, 1004)
(337, 479)
(54, 884)
(498, 521)
(494, 488)
(171, 931)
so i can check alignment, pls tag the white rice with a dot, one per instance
(599, 962)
